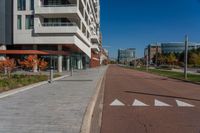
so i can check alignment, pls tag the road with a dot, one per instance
(138, 102)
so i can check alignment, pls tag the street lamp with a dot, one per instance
(147, 59)
(186, 57)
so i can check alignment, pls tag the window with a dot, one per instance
(56, 21)
(19, 22)
(31, 4)
(21, 5)
(29, 22)
(56, 2)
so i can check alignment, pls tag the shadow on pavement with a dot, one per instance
(160, 95)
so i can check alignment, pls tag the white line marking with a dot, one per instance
(160, 103)
(138, 103)
(183, 104)
(116, 102)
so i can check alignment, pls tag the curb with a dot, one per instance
(28, 87)
(89, 114)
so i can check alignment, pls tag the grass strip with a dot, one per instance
(16, 81)
(171, 74)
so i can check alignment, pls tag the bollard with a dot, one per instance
(5, 70)
(72, 71)
(51, 75)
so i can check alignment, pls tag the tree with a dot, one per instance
(7, 66)
(194, 58)
(171, 59)
(42, 64)
(161, 59)
(30, 62)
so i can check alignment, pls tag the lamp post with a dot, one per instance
(51, 71)
(147, 59)
(135, 63)
(156, 54)
(186, 57)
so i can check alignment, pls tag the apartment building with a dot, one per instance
(66, 33)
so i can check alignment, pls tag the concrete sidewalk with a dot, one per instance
(190, 71)
(50, 108)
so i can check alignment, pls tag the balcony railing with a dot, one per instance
(60, 5)
(59, 24)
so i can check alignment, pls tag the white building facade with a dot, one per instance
(71, 26)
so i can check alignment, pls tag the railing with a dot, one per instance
(59, 24)
(60, 5)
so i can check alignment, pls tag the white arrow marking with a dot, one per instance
(138, 103)
(183, 104)
(116, 102)
(160, 103)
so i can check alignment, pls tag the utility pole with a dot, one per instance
(147, 60)
(156, 54)
(135, 62)
(186, 57)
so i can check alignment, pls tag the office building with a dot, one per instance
(151, 50)
(126, 55)
(67, 32)
(176, 47)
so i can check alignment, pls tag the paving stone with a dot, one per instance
(50, 108)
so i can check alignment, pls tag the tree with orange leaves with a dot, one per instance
(42, 64)
(30, 62)
(7, 66)
(1, 66)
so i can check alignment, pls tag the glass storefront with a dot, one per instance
(76, 60)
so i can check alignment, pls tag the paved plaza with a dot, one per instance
(50, 108)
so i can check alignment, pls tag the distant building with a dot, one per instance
(198, 45)
(176, 47)
(126, 55)
(152, 50)
(104, 57)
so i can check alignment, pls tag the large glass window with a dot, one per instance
(31, 4)
(21, 5)
(19, 22)
(29, 22)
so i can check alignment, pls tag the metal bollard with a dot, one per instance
(72, 71)
(51, 75)
(5, 70)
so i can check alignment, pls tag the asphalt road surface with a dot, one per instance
(138, 102)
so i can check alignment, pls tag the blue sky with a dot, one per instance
(136, 23)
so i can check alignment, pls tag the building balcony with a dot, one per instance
(95, 48)
(95, 39)
(56, 9)
(67, 27)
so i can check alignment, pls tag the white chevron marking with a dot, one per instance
(183, 104)
(116, 102)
